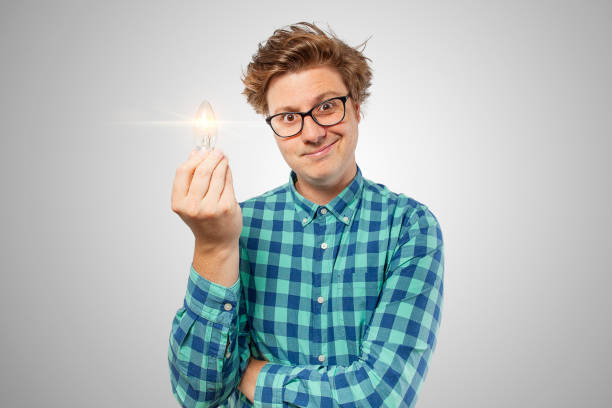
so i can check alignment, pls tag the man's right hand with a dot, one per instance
(203, 196)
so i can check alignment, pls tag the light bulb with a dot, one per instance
(205, 127)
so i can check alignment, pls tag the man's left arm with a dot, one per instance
(397, 345)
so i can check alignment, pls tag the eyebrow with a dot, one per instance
(320, 98)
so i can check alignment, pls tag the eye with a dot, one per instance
(326, 106)
(289, 117)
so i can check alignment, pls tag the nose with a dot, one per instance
(312, 132)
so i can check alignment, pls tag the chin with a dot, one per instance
(323, 175)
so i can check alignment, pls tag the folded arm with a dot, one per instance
(398, 342)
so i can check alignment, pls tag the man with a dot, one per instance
(326, 291)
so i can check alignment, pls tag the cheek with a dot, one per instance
(287, 150)
(350, 134)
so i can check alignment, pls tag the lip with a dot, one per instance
(322, 151)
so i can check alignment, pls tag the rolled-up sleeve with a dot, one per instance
(208, 348)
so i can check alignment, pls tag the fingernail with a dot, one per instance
(202, 152)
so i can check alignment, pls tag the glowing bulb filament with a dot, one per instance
(204, 123)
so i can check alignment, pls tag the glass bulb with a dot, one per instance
(205, 127)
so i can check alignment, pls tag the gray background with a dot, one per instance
(494, 114)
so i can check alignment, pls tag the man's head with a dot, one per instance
(297, 69)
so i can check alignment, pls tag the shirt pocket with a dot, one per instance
(356, 296)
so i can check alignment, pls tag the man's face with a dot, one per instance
(321, 156)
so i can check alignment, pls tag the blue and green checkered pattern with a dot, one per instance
(344, 301)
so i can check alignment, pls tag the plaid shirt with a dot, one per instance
(343, 299)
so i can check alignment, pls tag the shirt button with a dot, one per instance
(227, 306)
(320, 299)
(228, 354)
(324, 246)
(345, 219)
(323, 211)
(321, 358)
(304, 220)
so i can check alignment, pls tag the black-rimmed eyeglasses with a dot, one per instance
(327, 113)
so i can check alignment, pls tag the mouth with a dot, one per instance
(321, 151)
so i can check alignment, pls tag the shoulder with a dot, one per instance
(403, 209)
(415, 232)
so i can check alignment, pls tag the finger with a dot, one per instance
(217, 182)
(184, 173)
(202, 174)
(228, 190)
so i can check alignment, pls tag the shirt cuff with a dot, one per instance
(270, 384)
(211, 301)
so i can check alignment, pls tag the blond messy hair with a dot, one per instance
(304, 45)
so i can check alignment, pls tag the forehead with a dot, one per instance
(302, 89)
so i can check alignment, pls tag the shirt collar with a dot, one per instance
(343, 206)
